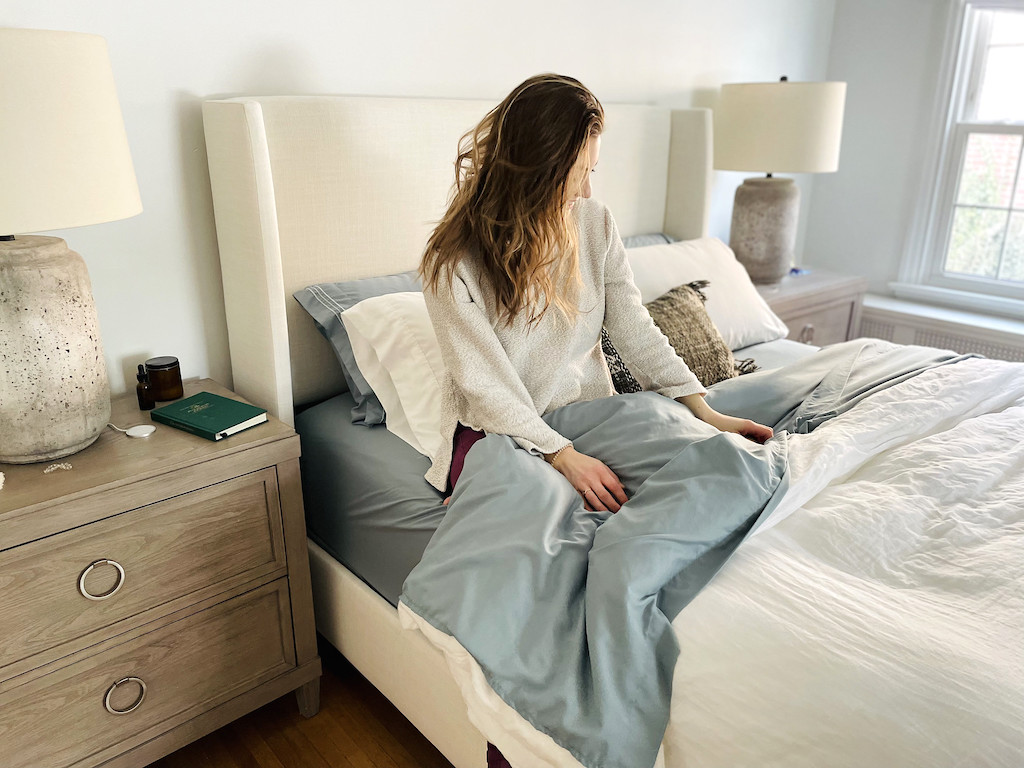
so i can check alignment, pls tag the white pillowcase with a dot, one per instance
(397, 352)
(734, 305)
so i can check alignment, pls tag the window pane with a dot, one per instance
(1013, 256)
(989, 165)
(1007, 28)
(1001, 97)
(975, 241)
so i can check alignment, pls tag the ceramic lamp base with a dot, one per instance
(54, 393)
(763, 235)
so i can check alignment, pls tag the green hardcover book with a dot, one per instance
(209, 415)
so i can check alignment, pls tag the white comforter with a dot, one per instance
(877, 619)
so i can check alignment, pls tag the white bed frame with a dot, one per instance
(327, 188)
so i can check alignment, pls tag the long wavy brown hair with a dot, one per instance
(514, 175)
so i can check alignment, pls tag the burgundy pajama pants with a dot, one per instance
(461, 443)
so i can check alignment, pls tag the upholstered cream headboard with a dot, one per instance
(310, 189)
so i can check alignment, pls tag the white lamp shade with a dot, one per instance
(64, 155)
(779, 127)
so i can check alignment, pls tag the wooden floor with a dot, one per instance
(356, 728)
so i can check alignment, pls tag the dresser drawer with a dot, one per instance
(821, 326)
(186, 667)
(55, 591)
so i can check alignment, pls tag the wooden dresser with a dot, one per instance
(819, 307)
(152, 593)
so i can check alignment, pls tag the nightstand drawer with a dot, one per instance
(827, 325)
(186, 667)
(142, 563)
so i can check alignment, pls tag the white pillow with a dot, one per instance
(734, 305)
(397, 352)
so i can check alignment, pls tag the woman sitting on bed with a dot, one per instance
(519, 277)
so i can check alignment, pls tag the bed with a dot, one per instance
(899, 648)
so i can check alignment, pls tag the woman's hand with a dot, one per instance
(598, 485)
(749, 429)
(745, 427)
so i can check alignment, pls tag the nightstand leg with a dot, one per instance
(308, 698)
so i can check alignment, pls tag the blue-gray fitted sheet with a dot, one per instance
(366, 501)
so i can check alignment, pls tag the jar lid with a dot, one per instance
(161, 363)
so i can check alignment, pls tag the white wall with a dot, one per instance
(889, 53)
(156, 278)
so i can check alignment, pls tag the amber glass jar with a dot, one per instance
(164, 378)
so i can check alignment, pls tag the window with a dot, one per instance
(974, 232)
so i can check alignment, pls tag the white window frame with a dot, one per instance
(921, 273)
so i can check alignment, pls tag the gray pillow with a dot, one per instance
(325, 302)
(639, 241)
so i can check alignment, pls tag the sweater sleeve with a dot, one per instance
(642, 346)
(495, 398)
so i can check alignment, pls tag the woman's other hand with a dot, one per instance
(745, 427)
(592, 479)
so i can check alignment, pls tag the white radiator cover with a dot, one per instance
(905, 322)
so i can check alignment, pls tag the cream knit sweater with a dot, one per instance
(502, 378)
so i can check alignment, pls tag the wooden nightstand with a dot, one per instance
(819, 307)
(154, 592)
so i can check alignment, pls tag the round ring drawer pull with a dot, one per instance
(135, 705)
(807, 334)
(110, 592)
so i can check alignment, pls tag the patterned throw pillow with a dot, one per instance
(622, 379)
(681, 316)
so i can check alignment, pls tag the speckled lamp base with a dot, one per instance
(763, 235)
(54, 394)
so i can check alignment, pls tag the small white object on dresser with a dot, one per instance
(819, 307)
(153, 592)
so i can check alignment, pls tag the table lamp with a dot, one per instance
(65, 163)
(781, 127)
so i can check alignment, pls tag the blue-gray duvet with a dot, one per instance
(569, 612)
